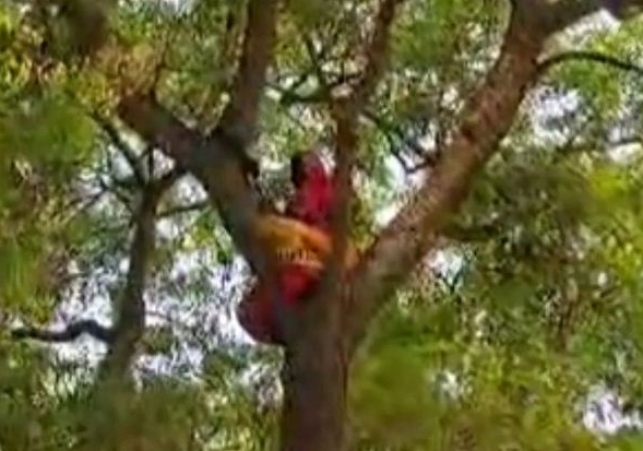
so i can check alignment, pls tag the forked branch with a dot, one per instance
(486, 118)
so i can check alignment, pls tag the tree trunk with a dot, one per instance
(315, 372)
(314, 406)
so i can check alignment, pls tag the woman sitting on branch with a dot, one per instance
(302, 240)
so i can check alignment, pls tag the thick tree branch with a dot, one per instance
(213, 162)
(486, 118)
(346, 112)
(544, 18)
(157, 126)
(217, 160)
(316, 369)
(71, 332)
(240, 116)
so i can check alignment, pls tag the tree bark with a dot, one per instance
(485, 120)
(130, 318)
(314, 378)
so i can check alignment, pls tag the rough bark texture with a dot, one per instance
(314, 377)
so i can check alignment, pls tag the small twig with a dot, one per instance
(70, 333)
(181, 209)
(591, 56)
(165, 182)
(290, 96)
(106, 188)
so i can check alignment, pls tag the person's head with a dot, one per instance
(306, 166)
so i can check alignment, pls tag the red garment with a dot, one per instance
(313, 199)
(258, 313)
(311, 204)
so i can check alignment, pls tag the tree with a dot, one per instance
(328, 70)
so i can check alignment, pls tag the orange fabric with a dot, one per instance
(302, 244)
(296, 240)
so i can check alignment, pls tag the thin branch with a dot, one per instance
(150, 161)
(181, 209)
(240, 116)
(473, 233)
(388, 129)
(121, 145)
(317, 63)
(70, 333)
(486, 118)
(377, 51)
(167, 180)
(595, 57)
(120, 196)
(290, 96)
(129, 325)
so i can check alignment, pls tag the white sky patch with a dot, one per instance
(403, 186)
(625, 153)
(602, 412)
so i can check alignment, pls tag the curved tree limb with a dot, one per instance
(594, 57)
(485, 120)
(216, 160)
(71, 332)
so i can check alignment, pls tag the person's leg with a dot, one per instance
(295, 282)
(255, 314)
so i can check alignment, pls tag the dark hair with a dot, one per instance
(297, 172)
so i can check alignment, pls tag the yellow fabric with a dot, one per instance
(310, 245)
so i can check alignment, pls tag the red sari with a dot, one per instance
(311, 204)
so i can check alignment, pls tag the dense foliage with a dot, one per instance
(529, 306)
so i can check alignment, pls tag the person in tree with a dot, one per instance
(299, 257)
